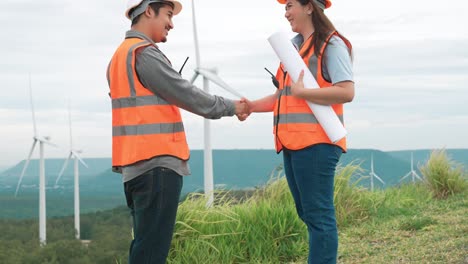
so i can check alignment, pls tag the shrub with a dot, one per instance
(443, 176)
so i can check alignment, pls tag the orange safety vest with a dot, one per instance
(144, 125)
(295, 126)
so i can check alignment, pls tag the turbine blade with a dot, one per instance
(46, 140)
(80, 159)
(65, 164)
(32, 106)
(195, 36)
(25, 167)
(406, 176)
(417, 176)
(215, 78)
(378, 178)
(70, 124)
(194, 77)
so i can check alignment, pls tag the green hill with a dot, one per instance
(421, 156)
(100, 188)
(10, 176)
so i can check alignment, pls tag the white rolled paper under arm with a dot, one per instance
(294, 64)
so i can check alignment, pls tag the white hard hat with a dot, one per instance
(139, 6)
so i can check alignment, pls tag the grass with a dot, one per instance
(403, 224)
(397, 225)
(427, 232)
(259, 230)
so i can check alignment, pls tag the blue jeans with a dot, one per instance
(310, 174)
(153, 199)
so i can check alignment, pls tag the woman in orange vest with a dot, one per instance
(310, 158)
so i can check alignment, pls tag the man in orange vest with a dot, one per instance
(149, 146)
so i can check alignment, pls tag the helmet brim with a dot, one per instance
(177, 6)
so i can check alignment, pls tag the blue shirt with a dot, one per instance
(337, 65)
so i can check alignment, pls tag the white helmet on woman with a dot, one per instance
(136, 7)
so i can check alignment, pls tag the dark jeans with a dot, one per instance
(153, 198)
(310, 174)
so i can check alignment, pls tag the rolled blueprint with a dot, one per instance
(294, 64)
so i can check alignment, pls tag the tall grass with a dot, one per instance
(264, 228)
(352, 202)
(443, 176)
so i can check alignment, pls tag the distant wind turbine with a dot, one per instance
(42, 194)
(412, 172)
(373, 174)
(73, 154)
(208, 75)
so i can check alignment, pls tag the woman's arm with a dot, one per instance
(338, 68)
(339, 93)
(265, 104)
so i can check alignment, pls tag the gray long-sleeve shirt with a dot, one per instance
(156, 74)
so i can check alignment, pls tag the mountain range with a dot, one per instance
(233, 169)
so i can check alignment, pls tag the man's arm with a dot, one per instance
(157, 75)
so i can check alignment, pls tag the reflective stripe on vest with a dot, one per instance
(147, 129)
(137, 101)
(295, 125)
(285, 118)
(144, 125)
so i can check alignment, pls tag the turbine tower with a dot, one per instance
(412, 172)
(73, 154)
(42, 195)
(208, 75)
(372, 174)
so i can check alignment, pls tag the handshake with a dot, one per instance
(243, 109)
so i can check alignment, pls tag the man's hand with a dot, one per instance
(242, 109)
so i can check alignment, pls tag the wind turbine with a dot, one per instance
(412, 172)
(373, 175)
(42, 194)
(208, 75)
(73, 154)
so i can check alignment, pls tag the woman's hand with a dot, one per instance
(297, 88)
(339, 93)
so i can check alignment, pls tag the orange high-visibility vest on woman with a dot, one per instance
(143, 124)
(295, 126)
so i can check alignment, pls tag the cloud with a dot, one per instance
(410, 70)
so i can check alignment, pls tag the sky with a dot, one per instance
(410, 69)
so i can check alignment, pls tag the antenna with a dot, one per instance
(412, 172)
(183, 65)
(373, 175)
(273, 78)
